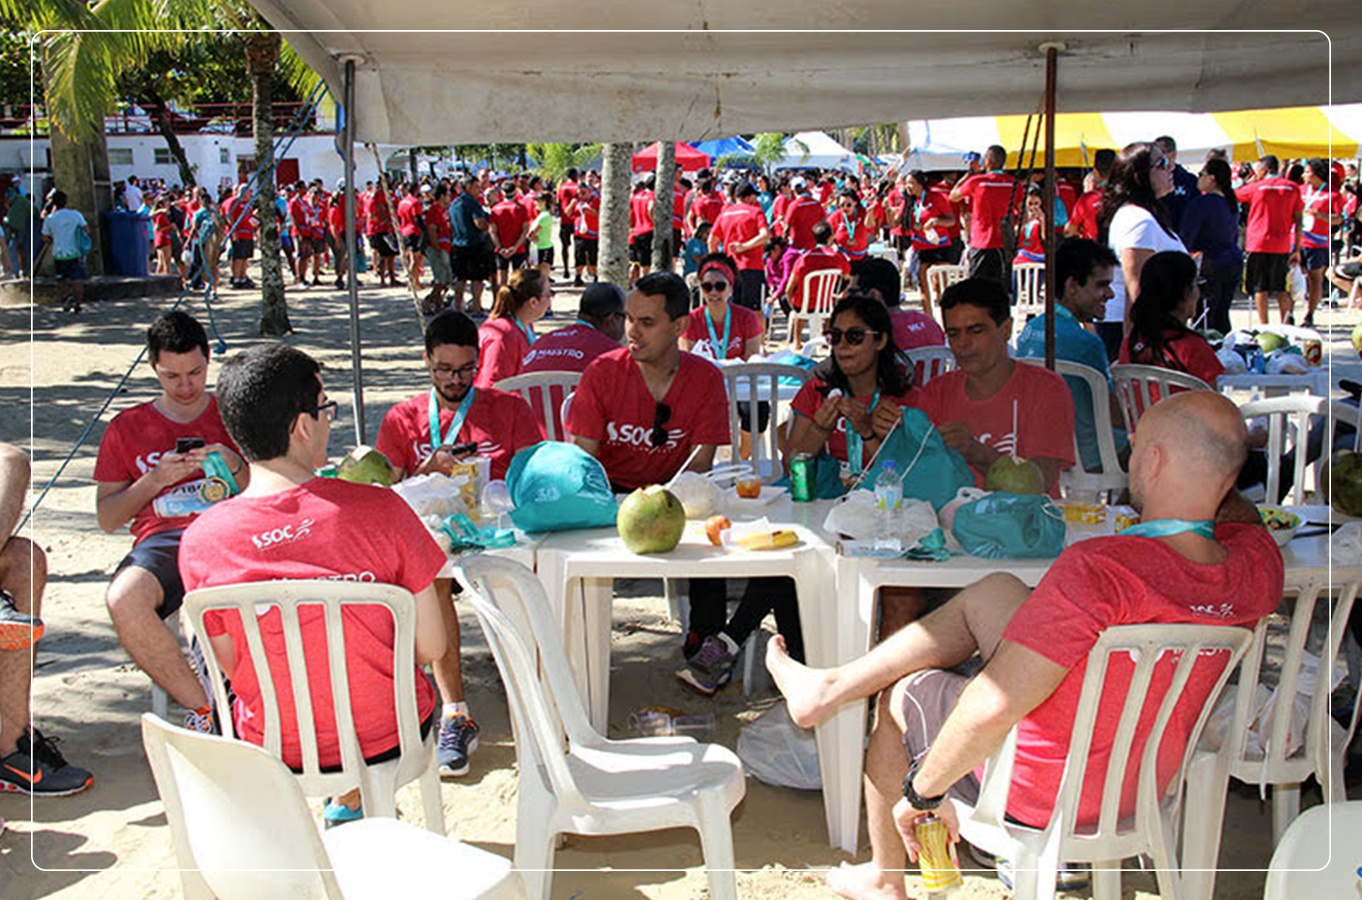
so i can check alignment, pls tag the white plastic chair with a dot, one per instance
(378, 783)
(1288, 426)
(816, 348)
(819, 292)
(546, 393)
(1317, 857)
(1140, 387)
(241, 830)
(573, 780)
(929, 362)
(1036, 854)
(1028, 285)
(1341, 413)
(1279, 763)
(938, 279)
(753, 382)
(1112, 477)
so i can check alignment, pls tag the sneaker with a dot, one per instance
(1070, 877)
(577, 281)
(339, 814)
(458, 740)
(18, 631)
(202, 722)
(709, 669)
(36, 767)
(1308, 321)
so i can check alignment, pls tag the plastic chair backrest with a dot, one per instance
(238, 820)
(819, 291)
(1112, 476)
(1183, 646)
(929, 362)
(514, 612)
(255, 599)
(1028, 285)
(816, 348)
(941, 277)
(546, 393)
(746, 382)
(1288, 426)
(1139, 387)
(1342, 413)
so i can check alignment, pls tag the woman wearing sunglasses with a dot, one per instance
(505, 339)
(852, 225)
(719, 328)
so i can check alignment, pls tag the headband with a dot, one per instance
(722, 267)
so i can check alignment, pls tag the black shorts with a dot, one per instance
(472, 263)
(1314, 258)
(641, 249)
(416, 243)
(159, 554)
(751, 286)
(512, 262)
(543, 256)
(901, 242)
(243, 248)
(991, 263)
(383, 244)
(948, 255)
(70, 269)
(1266, 273)
(586, 251)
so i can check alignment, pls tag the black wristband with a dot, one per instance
(916, 800)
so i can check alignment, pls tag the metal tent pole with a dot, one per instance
(351, 250)
(1051, 64)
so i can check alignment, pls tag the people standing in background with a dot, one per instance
(1210, 226)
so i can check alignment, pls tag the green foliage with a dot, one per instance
(769, 149)
(15, 68)
(555, 159)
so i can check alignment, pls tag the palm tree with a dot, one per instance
(614, 248)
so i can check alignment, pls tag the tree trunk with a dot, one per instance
(166, 126)
(82, 171)
(663, 238)
(262, 55)
(614, 249)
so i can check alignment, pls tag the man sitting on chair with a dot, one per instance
(289, 524)
(1179, 568)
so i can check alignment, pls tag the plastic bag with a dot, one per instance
(1010, 526)
(776, 751)
(432, 495)
(1295, 282)
(1234, 363)
(855, 518)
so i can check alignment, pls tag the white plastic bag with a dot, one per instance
(1295, 282)
(431, 495)
(855, 518)
(776, 751)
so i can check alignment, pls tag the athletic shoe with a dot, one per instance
(36, 767)
(339, 814)
(200, 722)
(17, 630)
(1308, 321)
(709, 669)
(458, 740)
(1070, 877)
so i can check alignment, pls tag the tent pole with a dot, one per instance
(352, 278)
(1051, 63)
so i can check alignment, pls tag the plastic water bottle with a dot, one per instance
(888, 503)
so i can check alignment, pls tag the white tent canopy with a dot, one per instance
(815, 150)
(694, 72)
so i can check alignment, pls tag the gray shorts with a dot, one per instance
(438, 260)
(928, 700)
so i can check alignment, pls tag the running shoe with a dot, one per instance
(17, 630)
(710, 668)
(458, 740)
(36, 767)
(339, 814)
(1070, 877)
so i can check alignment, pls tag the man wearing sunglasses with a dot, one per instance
(419, 436)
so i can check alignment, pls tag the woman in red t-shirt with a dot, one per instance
(851, 225)
(506, 337)
(1159, 335)
(719, 328)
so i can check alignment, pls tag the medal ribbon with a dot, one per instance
(856, 443)
(452, 436)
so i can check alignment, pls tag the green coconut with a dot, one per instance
(651, 520)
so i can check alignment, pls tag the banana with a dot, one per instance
(769, 540)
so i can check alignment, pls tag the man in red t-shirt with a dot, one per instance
(820, 259)
(801, 215)
(149, 475)
(741, 232)
(439, 246)
(275, 406)
(597, 331)
(378, 228)
(877, 277)
(567, 199)
(1322, 211)
(586, 211)
(500, 424)
(1187, 453)
(1273, 238)
(510, 227)
(411, 226)
(990, 196)
(641, 203)
(704, 203)
(243, 222)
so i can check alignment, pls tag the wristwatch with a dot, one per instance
(916, 800)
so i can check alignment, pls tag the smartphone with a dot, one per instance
(460, 449)
(185, 444)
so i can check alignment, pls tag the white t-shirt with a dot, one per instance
(61, 226)
(1133, 227)
(132, 197)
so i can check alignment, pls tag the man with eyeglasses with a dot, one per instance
(150, 475)
(423, 435)
(290, 524)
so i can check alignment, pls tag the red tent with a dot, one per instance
(687, 158)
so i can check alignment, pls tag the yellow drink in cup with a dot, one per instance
(937, 861)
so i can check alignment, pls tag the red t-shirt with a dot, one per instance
(1084, 215)
(678, 211)
(132, 446)
(1273, 205)
(706, 206)
(641, 213)
(409, 210)
(816, 260)
(508, 219)
(376, 214)
(1065, 193)
(913, 329)
(803, 213)
(501, 423)
(738, 224)
(161, 225)
(1044, 416)
(813, 394)
(321, 529)
(746, 328)
(1186, 351)
(438, 215)
(825, 189)
(569, 349)
(851, 237)
(530, 200)
(1030, 243)
(567, 192)
(613, 406)
(778, 209)
(1318, 205)
(989, 195)
(1118, 580)
(588, 214)
(934, 204)
(245, 229)
(502, 347)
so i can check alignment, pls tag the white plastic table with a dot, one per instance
(1315, 382)
(1319, 855)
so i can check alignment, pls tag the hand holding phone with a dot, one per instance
(459, 449)
(185, 444)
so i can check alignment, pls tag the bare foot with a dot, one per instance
(866, 882)
(803, 688)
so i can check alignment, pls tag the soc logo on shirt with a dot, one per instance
(283, 535)
(641, 436)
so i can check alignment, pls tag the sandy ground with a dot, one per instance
(57, 370)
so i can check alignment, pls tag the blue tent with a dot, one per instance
(729, 149)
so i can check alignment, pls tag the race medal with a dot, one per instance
(212, 489)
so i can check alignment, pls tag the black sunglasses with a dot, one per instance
(660, 417)
(329, 409)
(710, 287)
(854, 336)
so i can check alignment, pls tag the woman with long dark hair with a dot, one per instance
(1159, 335)
(1210, 226)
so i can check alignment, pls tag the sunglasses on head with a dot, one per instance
(710, 287)
(854, 336)
(660, 417)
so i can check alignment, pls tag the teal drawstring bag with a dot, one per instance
(557, 486)
(83, 243)
(1010, 526)
(931, 471)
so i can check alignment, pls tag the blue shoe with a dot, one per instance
(339, 814)
(458, 740)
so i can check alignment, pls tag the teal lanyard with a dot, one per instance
(1166, 527)
(855, 443)
(452, 436)
(720, 350)
(525, 330)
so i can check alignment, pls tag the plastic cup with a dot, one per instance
(748, 486)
